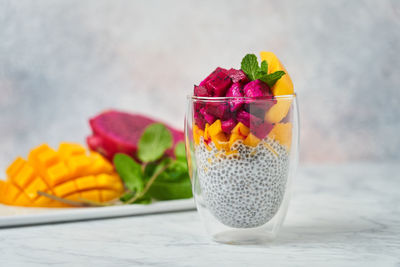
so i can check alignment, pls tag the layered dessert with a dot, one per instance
(242, 131)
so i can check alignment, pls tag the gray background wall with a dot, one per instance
(63, 61)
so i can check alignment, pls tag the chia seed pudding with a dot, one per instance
(243, 189)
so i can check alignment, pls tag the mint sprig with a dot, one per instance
(253, 71)
(158, 176)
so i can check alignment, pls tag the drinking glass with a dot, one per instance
(242, 155)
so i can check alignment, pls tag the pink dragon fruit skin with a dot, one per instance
(255, 89)
(208, 117)
(119, 132)
(228, 125)
(237, 76)
(235, 91)
(219, 82)
(218, 110)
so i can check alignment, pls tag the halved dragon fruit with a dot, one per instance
(119, 132)
(235, 91)
(256, 88)
(237, 76)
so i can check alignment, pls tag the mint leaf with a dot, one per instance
(167, 190)
(272, 78)
(153, 143)
(250, 66)
(180, 152)
(264, 66)
(130, 172)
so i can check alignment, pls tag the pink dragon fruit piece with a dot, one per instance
(258, 107)
(237, 76)
(119, 132)
(218, 110)
(256, 88)
(219, 82)
(208, 117)
(214, 73)
(247, 119)
(261, 130)
(235, 91)
(199, 120)
(228, 125)
(201, 91)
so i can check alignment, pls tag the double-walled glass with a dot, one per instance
(242, 155)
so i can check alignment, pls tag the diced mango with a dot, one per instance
(241, 129)
(282, 132)
(278, 111)
(197, 133)
(251, 140)
(284, 86)
(206, 134)
(68, 173)
(215, 128)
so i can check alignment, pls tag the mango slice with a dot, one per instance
(282, 132)
(284, 86)
(251, 140)
(70, 172)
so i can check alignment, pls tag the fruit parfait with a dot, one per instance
(242, 147)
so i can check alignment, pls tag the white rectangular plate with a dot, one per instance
(17, 216)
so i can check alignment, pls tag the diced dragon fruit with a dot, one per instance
(261, 130)
(201, 91)
(247, 119)
(235, 91)
(228, 125)
(208, 117)
(199, 120)
(258, 107)
(256, 88)
(218, 82)
(237, 76)
(217, 70)
(219, 110)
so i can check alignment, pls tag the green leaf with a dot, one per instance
(167, 190)
(153, 143)
(250, 66)
(130, 172)
(146, 199)
(180, 152)
(264, 66)
(272, 78)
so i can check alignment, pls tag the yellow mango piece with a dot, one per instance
(107, 195)
(278, 111)
(206, 134)
(93, 195)
(65, 189)
(220, 141)
(284, 86)
(241, 129)
(215, 128)
(251, 140)
(282, 132)
(15, 167)
(197, 133)
(36, 185)
(234, 137)
(68, 173)
(67, 150)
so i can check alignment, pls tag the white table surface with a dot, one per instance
(340, 215)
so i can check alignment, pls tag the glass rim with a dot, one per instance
(224, 98)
